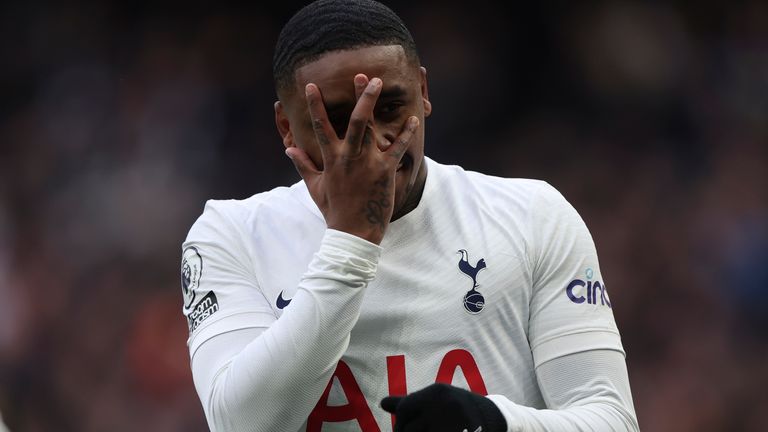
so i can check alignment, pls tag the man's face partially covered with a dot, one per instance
(404, 94)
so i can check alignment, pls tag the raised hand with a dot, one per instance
(355, 191)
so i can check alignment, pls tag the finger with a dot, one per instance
(404, 408)
(322, 127)
(399, 147)
(361, 81)
(357, 131)
(390, 403)
(304, 165)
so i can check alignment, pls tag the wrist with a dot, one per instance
(351, 243)
(343, 256)
(374, 234)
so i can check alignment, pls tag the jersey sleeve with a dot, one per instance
(595, 396)
(570, 310)
(246, 362)
(219, 284)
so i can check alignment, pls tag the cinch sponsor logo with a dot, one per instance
(203, 309)
(594, 291)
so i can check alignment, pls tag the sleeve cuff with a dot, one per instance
(344, 258)
(350, 244)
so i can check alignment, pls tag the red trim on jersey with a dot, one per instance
(463, 359)
(396, 378)
(355, 409)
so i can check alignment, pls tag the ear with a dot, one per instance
(425, 91)
(283, 125)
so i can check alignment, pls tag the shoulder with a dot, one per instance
(224, 218)
(494, 192)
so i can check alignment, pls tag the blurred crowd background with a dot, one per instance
(119, 119)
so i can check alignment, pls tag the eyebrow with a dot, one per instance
(393, 92)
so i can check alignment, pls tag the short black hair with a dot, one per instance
(332, 25)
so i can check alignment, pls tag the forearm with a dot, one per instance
(276, 379)
(595, 416)
(586, 391)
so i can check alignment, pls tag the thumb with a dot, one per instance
(304, 165)
(390, 403)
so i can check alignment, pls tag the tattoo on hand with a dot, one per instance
(375, 207)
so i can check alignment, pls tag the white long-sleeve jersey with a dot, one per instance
(490, 284)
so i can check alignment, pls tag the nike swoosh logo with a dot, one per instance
(281, 302)
(479, 429)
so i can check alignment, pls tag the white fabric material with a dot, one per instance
(585, 391)
(485, 281)
(323, 310)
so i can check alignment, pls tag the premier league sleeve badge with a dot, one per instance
(191, 270)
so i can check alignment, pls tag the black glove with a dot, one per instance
(444, 408)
